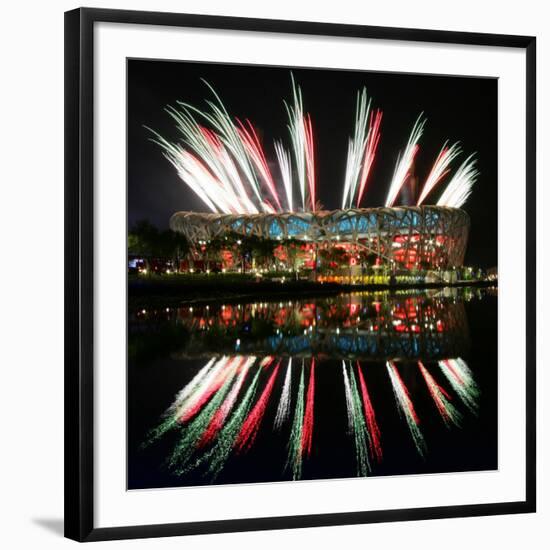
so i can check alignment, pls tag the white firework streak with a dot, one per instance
(460, 377)
(225, 409)
(254, 148)
(219, 152)
(405, 160)
(440, 169)
(310, 160)
(283, 409)
(441, 398)
(209, 172)
(218, 192)
(349, 400)
(184, 393)
(356, 421)
(373, 138)
(285, 166)
(229, 134)
(356, 148)
(459, 188)
(298, 138)
(170, 417)
(195, 397)
(406, 407)
(218, 419)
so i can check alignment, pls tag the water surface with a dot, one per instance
(357, 384)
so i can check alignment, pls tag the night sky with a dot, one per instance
(457, 109)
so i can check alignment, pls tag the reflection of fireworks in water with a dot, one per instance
(356, 421)
(217, 456)
(192, 431)
(373, 432)
(221, 411)
(219, 418)
(283, 410)
(460, 377)
(171, 414)
(441, 398)
(250, 428)
(307, 434)
(406, 407)
(216, 379)
(301, 433)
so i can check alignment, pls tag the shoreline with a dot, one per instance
(147, 292)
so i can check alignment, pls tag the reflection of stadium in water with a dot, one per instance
(352, 326)
(404, 379)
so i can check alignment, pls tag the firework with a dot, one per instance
(213, 382)
(188, 397)
(460, 377)
(459, 188)
(222, 413)
(440, 169)
(406, 407)
(193, 432)
(405, 160)
(285, 166)
(307, 433)
(251, 425)
(356, 421)
(301, 137)
(361, 150)
(294, 460)
(441, 398)
(253, 146)
(371, 146)
(283, 410)
(373, 432)
(222, 160)
(217, 456)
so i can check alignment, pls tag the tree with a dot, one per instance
(145, 240)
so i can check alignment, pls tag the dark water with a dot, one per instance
(333, 387)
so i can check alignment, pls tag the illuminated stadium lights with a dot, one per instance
(402, 237)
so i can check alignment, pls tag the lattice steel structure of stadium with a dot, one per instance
(429, 237)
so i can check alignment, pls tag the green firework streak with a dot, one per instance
(460, 377)
(294, 459)
(170, 416)
(359, 430)
(217, 456)
(193, 431)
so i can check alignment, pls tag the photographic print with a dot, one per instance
(312, 274)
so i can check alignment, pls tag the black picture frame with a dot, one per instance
(79, 265)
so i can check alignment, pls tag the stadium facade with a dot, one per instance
(405, 237)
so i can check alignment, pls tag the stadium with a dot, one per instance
(266, 217)
(405, 238)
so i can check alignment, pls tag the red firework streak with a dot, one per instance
(218, 419)
(370, 151)
(436, 391)
(404, 393)
(307, 433)
(207, 393)
(251, 425)
(372, 425)
(452, 370)
(310, 160)
(250, 139)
